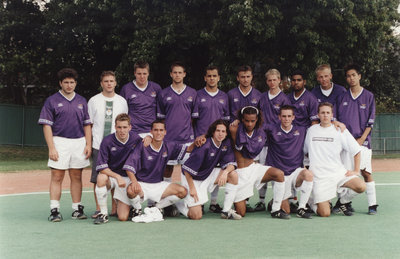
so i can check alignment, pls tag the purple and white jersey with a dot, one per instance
(357, 113)
(208, 108)
(285, 149)
(142, 105)
(204, 159)
(337, 91)
(113, 153)
(176, 109)
(250, 146)
(270, 107)
(149, 164)
(237, 100)
(306, 108)
(66, 117)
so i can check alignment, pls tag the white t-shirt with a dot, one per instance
(97, 107)
(324, 146)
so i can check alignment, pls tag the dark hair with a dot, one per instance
(211, 67)
(298, 72)
(213, 127)
(251, 110)
(106, 73)
(325, 104)
(244, 68)
(123, 117)
(67, 73)
(157, 121)
(286, 107)
(177, 64)
(354, 66)
(141, 64)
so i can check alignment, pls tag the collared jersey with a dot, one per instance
(306, 108)
(237, 100)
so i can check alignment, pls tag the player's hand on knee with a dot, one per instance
(137, 188)
(222, 179)
(53, 154)
(193, 193)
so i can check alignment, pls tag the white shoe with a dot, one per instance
(150, 215)
(230, 214)
(156, 214)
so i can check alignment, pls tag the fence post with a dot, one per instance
(23, 126)
(384, 146)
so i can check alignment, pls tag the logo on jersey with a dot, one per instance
(169, 98)
(296, 133)
(60, 105)
(235, 100)
(221, 101)
(224, 148)
(363, 106)
(113, 149)
(345, 104)
(212, 154)
(259, 139)
(277, 106)
(301, 103)
(133, 96)
(279, 133)
(254, 101)
(192, 137)
(153, 94)
(203, 100)
(190, 99)
(319, 100)
(150, 158)
(80, 106)
(164, 154)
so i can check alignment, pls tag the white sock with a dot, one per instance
(214, 195)
(135, 203)
(102, 194)
(262, 192)
(371, 193)
(347, 196)
(312, 204)
(167, 201)
(182, 207)
(75, 205)
(230, 193)
(305, 189)
(54, 204)
(279, 191)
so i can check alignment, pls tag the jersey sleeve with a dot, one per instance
(228, 158)
(86, 117)
(132, 163)
(194, 162)
(102, 157)
(160, 106)
(371, 117)
(195, 112)
(46, 114)
(313, 108)
(178, 151)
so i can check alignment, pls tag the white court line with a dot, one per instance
(36, 193)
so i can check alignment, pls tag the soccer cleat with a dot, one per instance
(150, 215)
(170, 211)
(294, 206)
(372, 210)
(79, 214)
(134, 213)
(302, 213)
(230, 214)
(249, 208)
(55, 215)
(215, 208)
(342, 208)
(101, 219)
(95, 214)
(260, 206)
(350, 207)
(269, 206)
(280, 214)
(156, 214)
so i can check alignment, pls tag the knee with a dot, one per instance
(323, 213)
(308, 176)
(361, 187)
(182, 192)
(102, 180)
(195, 215)
(130, 192)
(278, 175)
(240, 209)
(233, 177)
(123, 217)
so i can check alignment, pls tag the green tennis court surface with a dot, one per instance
(26, 233)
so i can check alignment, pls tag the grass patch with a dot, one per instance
(16, 158)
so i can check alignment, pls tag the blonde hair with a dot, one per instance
(323, 67)
(271, 72)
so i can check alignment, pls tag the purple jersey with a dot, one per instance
(250, 146)
(142, 105)
(177, 109)
(285, 149)
(113, 153)
(306, 108)
(237, 100)
(149, 164)
(208, 109)
(357, 113)
(66, 117)
(337, 91)
(204, 159)
(270, 107)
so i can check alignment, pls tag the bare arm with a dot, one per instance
(120, 180)
(364, 136)
(134, 185)
(356, 171)
(192, 189)
(87, 129)
(48, 136)
(223, 175)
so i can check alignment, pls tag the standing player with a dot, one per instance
(145, 168)
(141, 95)
(66, 128)
(270, 104)
(306, 112)
(103, 109)
(114, 150)
(327, 91)
(356, 109)
(201, 174)
(211, 104)
(323, 144)
(249, 138)
(285, 151)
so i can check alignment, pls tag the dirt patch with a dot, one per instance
(39, 180)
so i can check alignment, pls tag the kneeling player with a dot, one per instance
(324, 143)
(249, 138)
(114, 150)
(145, 168)
(202, 176)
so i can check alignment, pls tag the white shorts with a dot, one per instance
(262, 157)
(365, 163)
(290, 184)
(202, 188)
(153, 191)
(250, 177)
(70, 154)
(120, 193)
(326, 189)
(175, 162)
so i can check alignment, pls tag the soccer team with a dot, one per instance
(315, 143)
